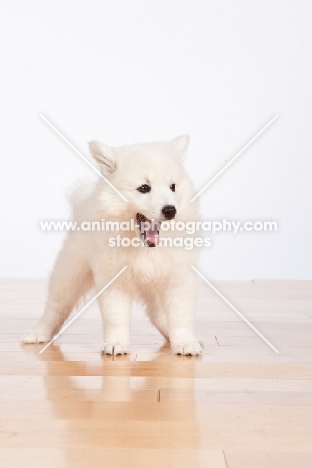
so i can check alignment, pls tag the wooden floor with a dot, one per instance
(239, 405)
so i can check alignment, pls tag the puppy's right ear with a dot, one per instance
(104, 155)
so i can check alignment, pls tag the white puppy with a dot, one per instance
(153, 180)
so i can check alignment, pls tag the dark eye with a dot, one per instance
(144, 188)
(172, 187)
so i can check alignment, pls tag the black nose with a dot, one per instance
(169, 211)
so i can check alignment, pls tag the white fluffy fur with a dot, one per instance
(161, 277)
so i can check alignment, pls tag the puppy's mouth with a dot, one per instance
(149, 230)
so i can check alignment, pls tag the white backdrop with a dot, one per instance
(135, 70)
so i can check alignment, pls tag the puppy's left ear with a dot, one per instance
(179, 146)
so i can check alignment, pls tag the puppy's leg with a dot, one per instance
(71, 278)
(179, 303)
(157, 315)
(115, 305)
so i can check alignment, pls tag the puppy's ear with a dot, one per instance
(104, 155)
(179, 146)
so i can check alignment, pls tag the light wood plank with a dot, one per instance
(71, 393)
(211, 384)
(110, 458)
(268, 459)
(189, 368)
(237, 397)
(145, 410)
(97, 433)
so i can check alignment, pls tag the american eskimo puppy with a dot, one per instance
(152, 179)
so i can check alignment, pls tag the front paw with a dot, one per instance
(115, 349)
(190, 348)
(37, 337)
